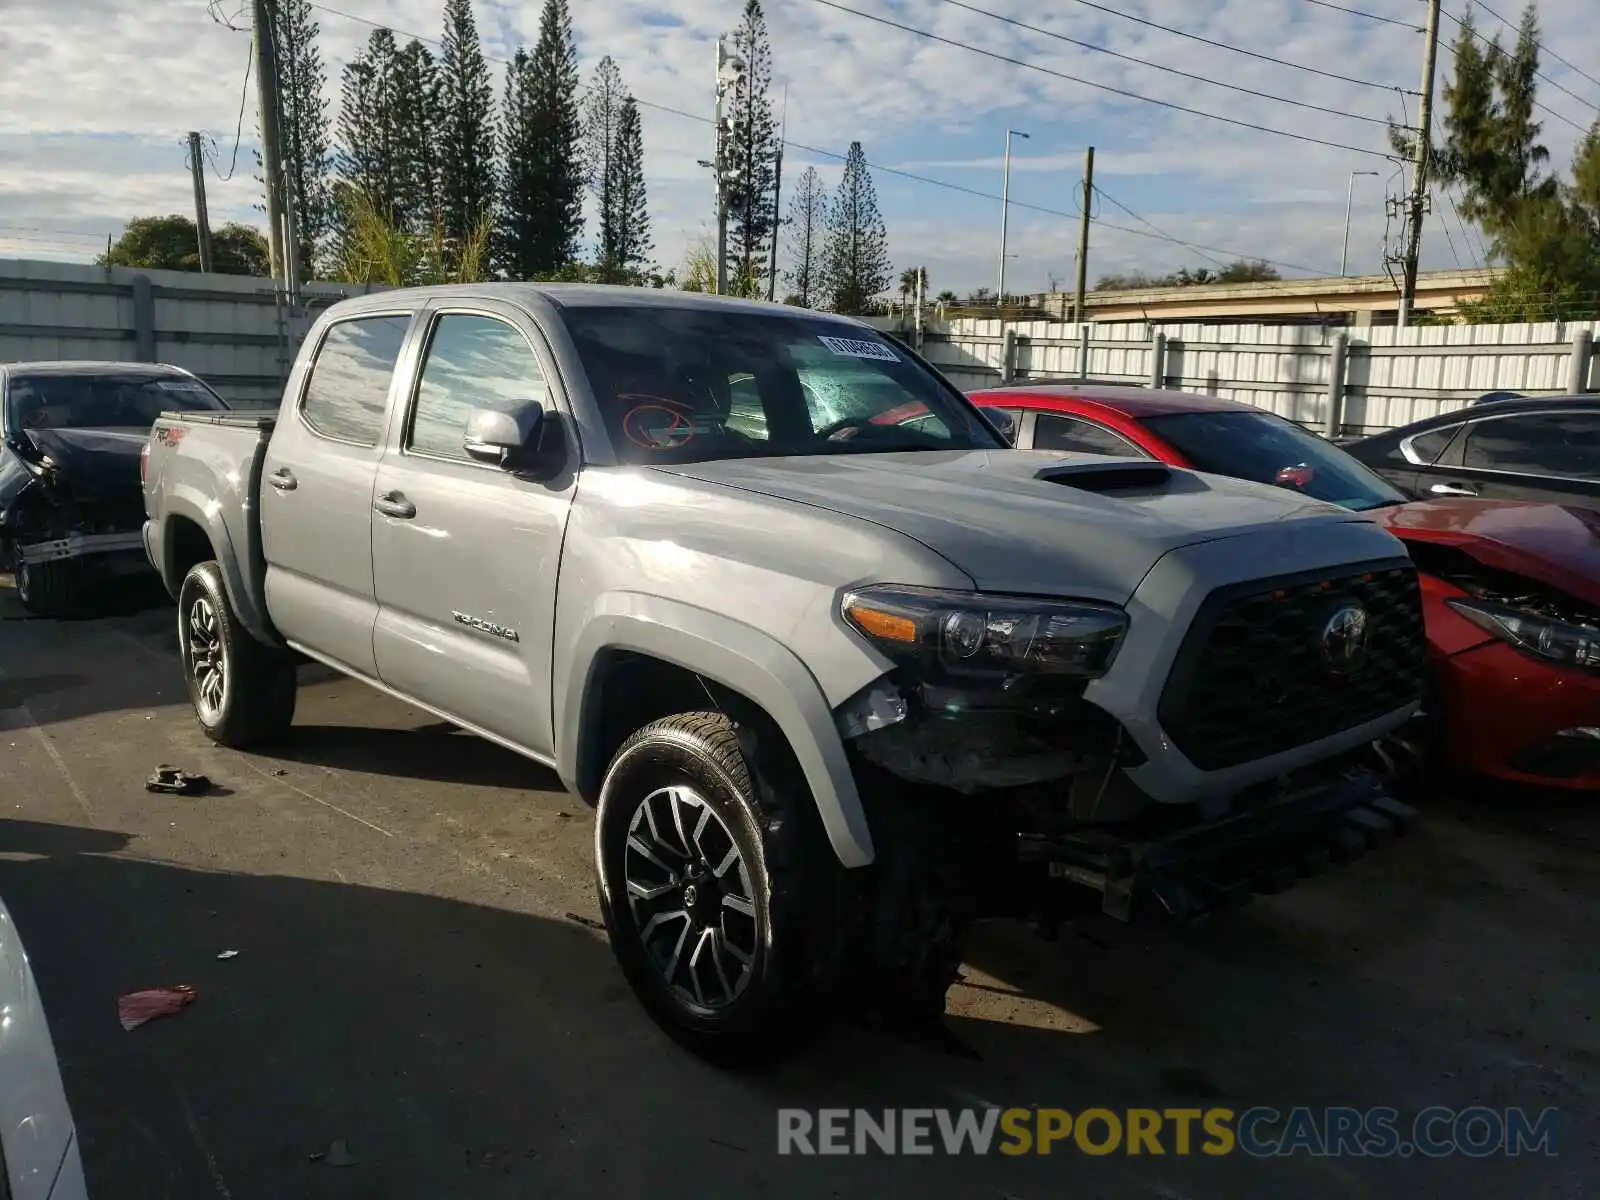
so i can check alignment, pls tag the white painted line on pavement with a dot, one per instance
(315, 799)
(32, 723)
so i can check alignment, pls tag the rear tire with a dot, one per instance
(47, 589)
(243, 691)
(717, 890)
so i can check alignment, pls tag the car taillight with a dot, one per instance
(144, 462)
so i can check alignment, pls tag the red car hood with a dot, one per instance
(1553, 544)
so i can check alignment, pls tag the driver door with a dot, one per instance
(464, 555)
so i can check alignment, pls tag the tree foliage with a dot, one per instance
(368, 158)
(1545, 231)
(377, 248)
(808, 222)
(418, 116)
(602, 118)
(541, 208)
(630, 208)
(855, 260)
(172, 243)
(750, 152)
(467, 124)
(1240, 271)
(304, 127)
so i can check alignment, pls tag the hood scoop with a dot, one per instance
(1116, 476)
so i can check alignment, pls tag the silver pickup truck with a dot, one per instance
(839, 671)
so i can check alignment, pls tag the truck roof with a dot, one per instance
(577, 295)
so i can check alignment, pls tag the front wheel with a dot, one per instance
(243, 692)
(46, 589)
(714, 893)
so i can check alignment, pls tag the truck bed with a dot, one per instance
(262, 421)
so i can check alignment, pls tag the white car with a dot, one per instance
(38, 1144)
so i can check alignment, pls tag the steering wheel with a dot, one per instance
(831, 431)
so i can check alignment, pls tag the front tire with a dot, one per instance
(243, 692)
(715, 890)
(46, 589)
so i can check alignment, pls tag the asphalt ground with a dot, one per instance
(419, 976)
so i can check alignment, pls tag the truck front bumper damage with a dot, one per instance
(1187, 872)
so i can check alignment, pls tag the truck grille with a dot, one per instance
(1277, 663)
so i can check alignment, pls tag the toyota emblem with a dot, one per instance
(1344, 639)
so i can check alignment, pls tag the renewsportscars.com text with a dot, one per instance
(1259, 1132)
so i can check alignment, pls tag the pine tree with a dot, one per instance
(368, 158)
(304, 127)
(630, 210)
(855, 260)
(545, 220)
(518, 213)
(808, 220)
(418, 117)
(467, 130)
(602, 113)
(751, 150)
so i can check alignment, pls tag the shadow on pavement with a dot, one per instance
(435, 751)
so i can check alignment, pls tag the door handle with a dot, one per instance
(1453, 489)
(394, 504)
(283, 479)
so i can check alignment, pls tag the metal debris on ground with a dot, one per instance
(336, 1155)
(228, 954)
(134, 1009)
(178, 783)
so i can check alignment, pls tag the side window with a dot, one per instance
(1426, 447)
(348, 391)
(1053, 432)
(472, 362)
(1566, 445)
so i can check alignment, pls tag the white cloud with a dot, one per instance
(97, 95)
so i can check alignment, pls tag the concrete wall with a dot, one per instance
(231, 330)
(1388, 376)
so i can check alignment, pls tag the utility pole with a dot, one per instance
(1005, 212)
(272, 167)
(1419, 179)
(1083, 234)
(202, 220)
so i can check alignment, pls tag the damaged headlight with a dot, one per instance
(1541, 637)
(970, 633)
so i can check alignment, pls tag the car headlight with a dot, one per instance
(1538, 636)
(970, 633)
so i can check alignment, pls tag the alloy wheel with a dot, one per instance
(208, 659)
(690, 895)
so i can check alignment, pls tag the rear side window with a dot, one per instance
(1565, 445)
(348, 391)
(1052, 432)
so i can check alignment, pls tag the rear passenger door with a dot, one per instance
(316, 491)
(1553, 456)
(463, 554)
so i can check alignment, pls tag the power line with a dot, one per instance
(1105, 195)
(1104, 87)
(1199, 248)
(1545, 49)
(1370, 16)
(1449, 240)
(238, 128)
(1256, 54)
(1144, 62)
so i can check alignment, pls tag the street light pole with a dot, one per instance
(1005, 211)
(1349, 195)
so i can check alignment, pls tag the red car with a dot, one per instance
(1511, 589)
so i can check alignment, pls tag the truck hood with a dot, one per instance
(104, 460)
(1093, 527)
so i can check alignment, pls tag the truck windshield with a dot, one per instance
(693, 384)
(1264, 448)
(109, 401)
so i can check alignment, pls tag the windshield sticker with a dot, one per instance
(856, 348)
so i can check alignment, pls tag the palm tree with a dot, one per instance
(908, 282)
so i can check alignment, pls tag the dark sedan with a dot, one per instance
(1521, 449)
(70, 438)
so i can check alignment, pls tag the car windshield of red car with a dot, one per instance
(1264, 448)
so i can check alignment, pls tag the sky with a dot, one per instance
(98, 95)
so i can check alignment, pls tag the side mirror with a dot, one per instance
(525, 442)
